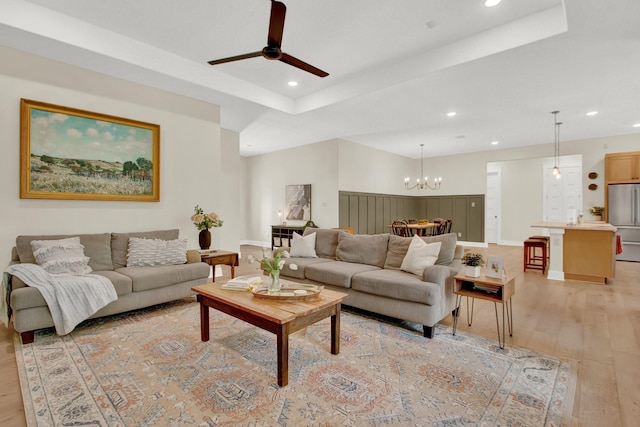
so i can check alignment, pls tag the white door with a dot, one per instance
(492, 204)
(564, 194)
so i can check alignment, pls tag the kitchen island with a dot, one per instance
(583, 252)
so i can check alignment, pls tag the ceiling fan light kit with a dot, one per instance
(272, 51)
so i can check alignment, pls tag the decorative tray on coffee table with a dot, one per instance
(290, 292)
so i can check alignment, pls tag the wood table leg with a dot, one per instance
(233, 271)
(204, 320)
(335, 331)
(283, 355)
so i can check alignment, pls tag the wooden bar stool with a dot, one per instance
(532, 260)
(547, 240)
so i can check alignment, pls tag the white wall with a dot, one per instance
(191, 156)
(367, 170)
(269, 174)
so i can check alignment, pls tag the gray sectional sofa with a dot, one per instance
(136, 287)
(367, 267)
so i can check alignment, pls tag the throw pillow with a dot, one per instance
(420, 256)
(62, 256)
(304, 247)
(155, 252)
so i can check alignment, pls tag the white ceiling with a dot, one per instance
(396, 67)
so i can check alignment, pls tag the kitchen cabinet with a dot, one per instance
(622, 167)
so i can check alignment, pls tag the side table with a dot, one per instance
(489, 289)
(219, 257)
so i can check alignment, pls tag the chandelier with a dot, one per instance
(421, 185)
(556, 146)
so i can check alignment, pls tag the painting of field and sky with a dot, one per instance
(74, 154)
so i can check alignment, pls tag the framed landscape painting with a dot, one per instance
(66, 153)
(298, 202)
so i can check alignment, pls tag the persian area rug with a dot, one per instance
(149, 367)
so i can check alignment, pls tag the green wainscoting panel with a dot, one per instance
(369, 213)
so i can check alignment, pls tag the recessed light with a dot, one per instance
(292, 83)
(495, 142)
(637, 125)
(491, 3)
(592, 113)
(451, 113)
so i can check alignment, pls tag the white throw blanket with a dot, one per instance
(71, 299)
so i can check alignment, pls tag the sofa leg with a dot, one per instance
(455, 312)
(27, 337)
(428, 331)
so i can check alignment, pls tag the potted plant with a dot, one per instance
(472, 262)
(597, 212)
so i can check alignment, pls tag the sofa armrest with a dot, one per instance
(438, 274)
(193, 256)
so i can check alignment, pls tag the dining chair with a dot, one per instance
(399, 228)
(412, 231)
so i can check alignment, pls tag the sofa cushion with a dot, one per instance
(304, 246)
(120, 243)
(156, 252)
(326, 241)
(122, 283)
(362, 248)
(145, 278)
(398, 247)
(61, 257)
(96, 246)
(336, 273)
(397, 285)
(448, 248)
(301, 264)
(420, 256)
(25, 297)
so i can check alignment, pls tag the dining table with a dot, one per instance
(420, 228)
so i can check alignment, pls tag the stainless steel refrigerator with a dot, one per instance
(624, 213)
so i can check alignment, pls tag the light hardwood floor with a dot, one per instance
(598, 326)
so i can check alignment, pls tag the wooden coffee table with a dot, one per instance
(279, 317)
(219, 257)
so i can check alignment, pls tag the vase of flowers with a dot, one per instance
(472, 262)
(272, 266)
(204, 222)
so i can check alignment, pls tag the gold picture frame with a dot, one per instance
(72, 154)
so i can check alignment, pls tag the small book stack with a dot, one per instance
(242, 283)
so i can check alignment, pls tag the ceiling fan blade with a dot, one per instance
(276, 23)
(235, 58)
(288, 59)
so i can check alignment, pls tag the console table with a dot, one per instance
(282, 232)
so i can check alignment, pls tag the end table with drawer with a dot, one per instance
(219, 257)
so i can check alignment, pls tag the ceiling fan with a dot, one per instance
(272, 50)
